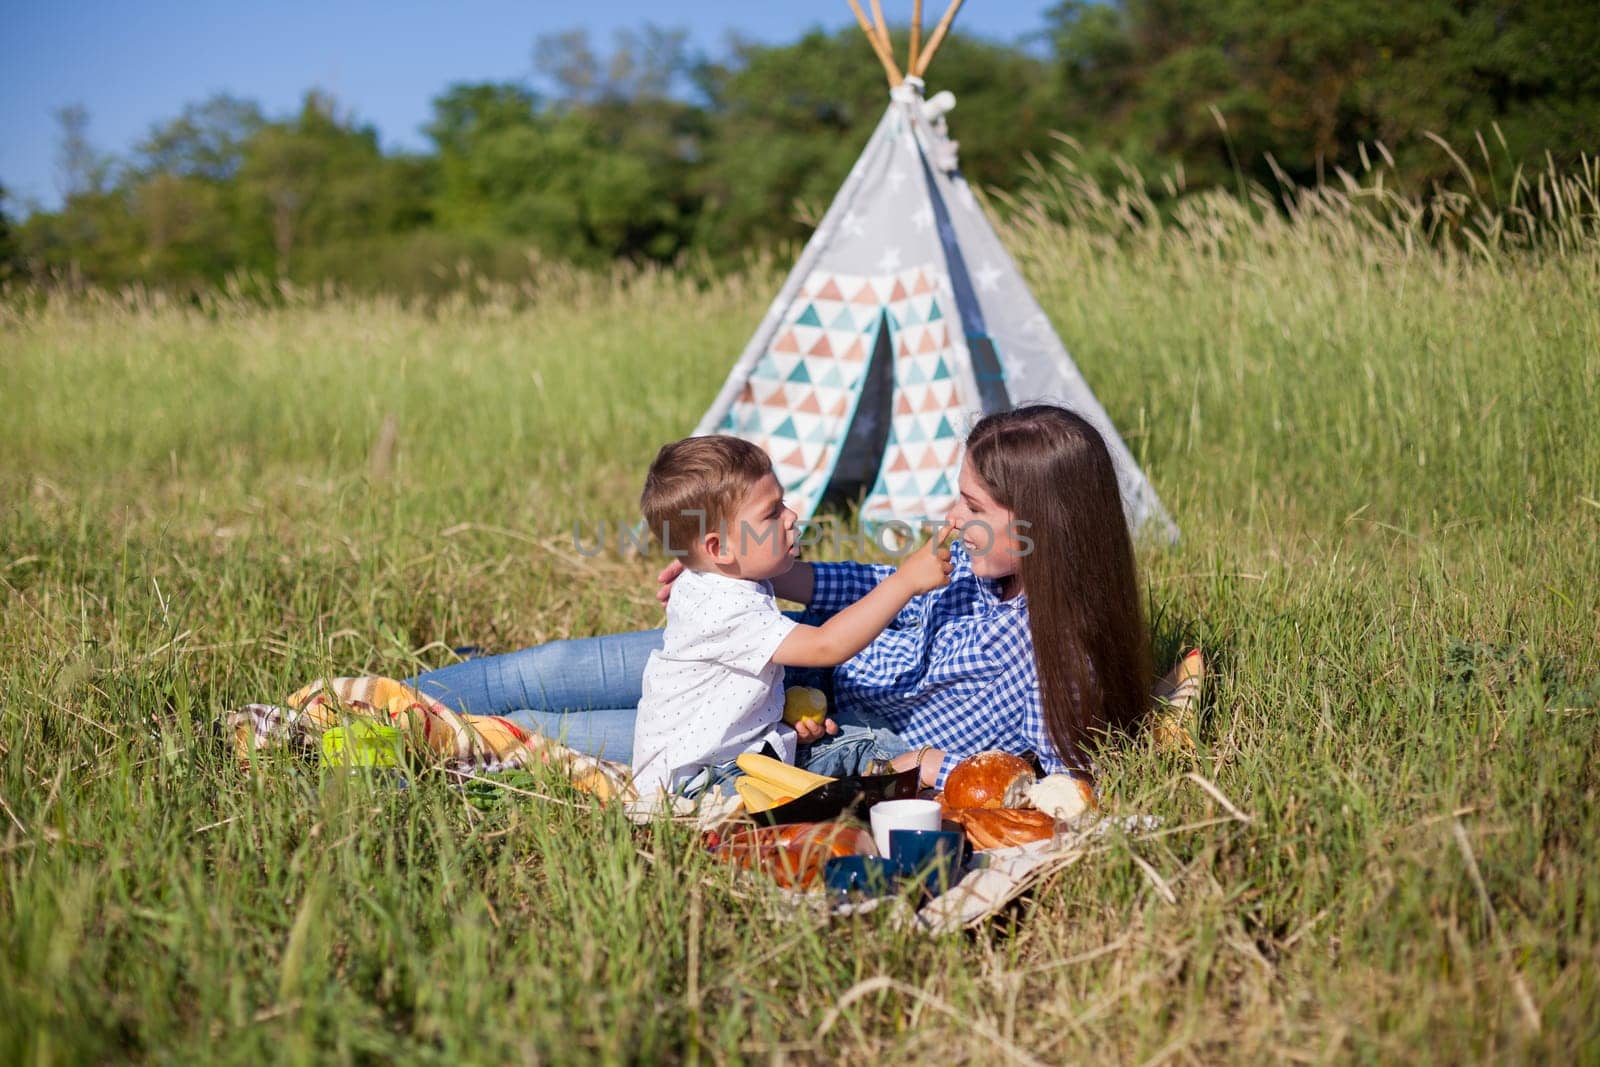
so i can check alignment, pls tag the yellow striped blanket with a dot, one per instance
(469, 744)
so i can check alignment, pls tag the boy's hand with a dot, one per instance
(928, 568)
(811, 731)
(664, 580)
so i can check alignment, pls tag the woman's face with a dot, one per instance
(988, 530)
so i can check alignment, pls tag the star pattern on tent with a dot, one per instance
(923, 218)
(988, 277)
(852, 225)
(1037, 328)
(889, 262)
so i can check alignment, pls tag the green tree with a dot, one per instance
(318, 180)
(644, 64)
(787, 122)
(91, 236)
(9, 257)
(1307, 84)
(187, 230)
(81, 169)
(600, 169)
(206, 140)
(468, 120)
(182, 193)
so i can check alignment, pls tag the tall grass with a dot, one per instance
(1374, 418)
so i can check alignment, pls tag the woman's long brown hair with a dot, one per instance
(1050, 468)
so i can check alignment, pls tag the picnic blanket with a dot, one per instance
(466, 744)
(474, 746)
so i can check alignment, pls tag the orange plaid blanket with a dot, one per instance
(470, 744)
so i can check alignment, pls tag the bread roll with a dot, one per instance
(793, 855)
(999, 827)
(1063, 796)
(989, 780)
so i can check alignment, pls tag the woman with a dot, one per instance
(1037, 644)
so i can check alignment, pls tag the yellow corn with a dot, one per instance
(778, 778)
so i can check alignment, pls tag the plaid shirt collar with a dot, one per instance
(988, 588)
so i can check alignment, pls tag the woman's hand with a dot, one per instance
(664, 580)
(927, 761)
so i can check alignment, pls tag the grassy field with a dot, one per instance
(1383, 448)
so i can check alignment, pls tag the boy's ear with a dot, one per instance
(711, 546)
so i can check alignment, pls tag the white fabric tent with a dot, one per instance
(903, 321)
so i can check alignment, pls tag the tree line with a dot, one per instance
(652, 151)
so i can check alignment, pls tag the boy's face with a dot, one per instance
(761, 540)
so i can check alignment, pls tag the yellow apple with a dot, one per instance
(802, 704)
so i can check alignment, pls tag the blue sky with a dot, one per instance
(132, 64)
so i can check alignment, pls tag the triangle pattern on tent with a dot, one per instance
(920, 459)
(803, 389)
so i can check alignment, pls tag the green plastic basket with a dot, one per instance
(363, 744)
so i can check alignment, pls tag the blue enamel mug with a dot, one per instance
(933, 857)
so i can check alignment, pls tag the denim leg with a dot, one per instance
(860, 740)
(603, 732)
(580, 675)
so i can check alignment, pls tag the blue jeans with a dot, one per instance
(584, 693)
(862, 739)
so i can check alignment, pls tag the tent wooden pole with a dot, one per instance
(882, 26)
(883, 39)
(916, 34)
(889, 68)
(937, 38)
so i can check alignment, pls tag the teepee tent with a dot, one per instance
(902, 322)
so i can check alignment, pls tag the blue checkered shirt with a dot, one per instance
(955, 670)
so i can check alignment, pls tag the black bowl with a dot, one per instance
(852, 794)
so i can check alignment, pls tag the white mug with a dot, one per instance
(902, 815)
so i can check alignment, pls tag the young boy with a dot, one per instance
(715, 689)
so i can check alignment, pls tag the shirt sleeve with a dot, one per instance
(966, 723)
(835, 586)
(740, 630)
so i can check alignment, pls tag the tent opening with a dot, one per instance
(868, 435)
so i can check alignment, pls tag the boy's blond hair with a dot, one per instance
(696, 485)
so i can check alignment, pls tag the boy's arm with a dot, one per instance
(854, 628)
(835, 586)
(849, 631)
